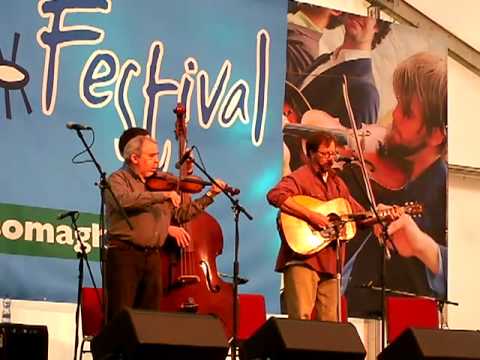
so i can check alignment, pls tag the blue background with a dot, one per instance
(36, 149)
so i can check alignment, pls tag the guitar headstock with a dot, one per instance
(413, 208)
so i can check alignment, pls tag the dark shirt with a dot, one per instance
(149, 212)
(405, 274)
(325, 92)
(304, 181)
(302, 49)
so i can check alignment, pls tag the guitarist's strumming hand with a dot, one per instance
(315, 219)
(318, 221)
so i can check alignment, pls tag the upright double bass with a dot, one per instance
(190, 277)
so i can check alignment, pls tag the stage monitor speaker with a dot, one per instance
(19, 341)
(435, 344)
(304, 339)
(142, 334)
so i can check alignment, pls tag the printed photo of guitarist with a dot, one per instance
(309, 280)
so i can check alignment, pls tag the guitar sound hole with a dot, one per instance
(328, 232)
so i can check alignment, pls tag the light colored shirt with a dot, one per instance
(299, 18)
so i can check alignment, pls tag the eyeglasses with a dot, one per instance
(327, 153)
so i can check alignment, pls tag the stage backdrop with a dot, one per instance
(113, 65)
(324, 47)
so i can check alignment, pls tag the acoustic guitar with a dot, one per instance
(305, 239)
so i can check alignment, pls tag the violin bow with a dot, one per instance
(366, 178)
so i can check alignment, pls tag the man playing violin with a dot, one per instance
(133, 263)
(415, 147)
(309, 281)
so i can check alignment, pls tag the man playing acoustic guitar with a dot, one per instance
(309, 280)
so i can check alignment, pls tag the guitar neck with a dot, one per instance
(369, 217)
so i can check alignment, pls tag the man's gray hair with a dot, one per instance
(134, 146)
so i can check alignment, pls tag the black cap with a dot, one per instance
(128, 135)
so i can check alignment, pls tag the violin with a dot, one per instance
(388, 172)
(164, 181)
(191, 184)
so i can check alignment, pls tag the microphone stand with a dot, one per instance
(337, 226)
(441, 302)
(237, 209)
(82, 257)
(103, 185)
(371, 201)
(383, 259)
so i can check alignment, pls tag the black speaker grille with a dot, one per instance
(305, 339)
(19, 341)
(434, 345)
(141, 334)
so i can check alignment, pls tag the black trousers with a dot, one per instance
(133, 278)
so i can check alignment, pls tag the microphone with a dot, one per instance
(184, 158)
(75, 126)
(347, 159)
(241, 280)
(67, 213)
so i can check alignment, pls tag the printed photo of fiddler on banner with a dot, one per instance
(113, 65)
(396, 97)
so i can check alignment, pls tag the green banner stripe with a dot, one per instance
(36, 231)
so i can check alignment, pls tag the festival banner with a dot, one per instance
(111, 65)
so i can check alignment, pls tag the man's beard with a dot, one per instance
(325, 167)
(400, 151)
